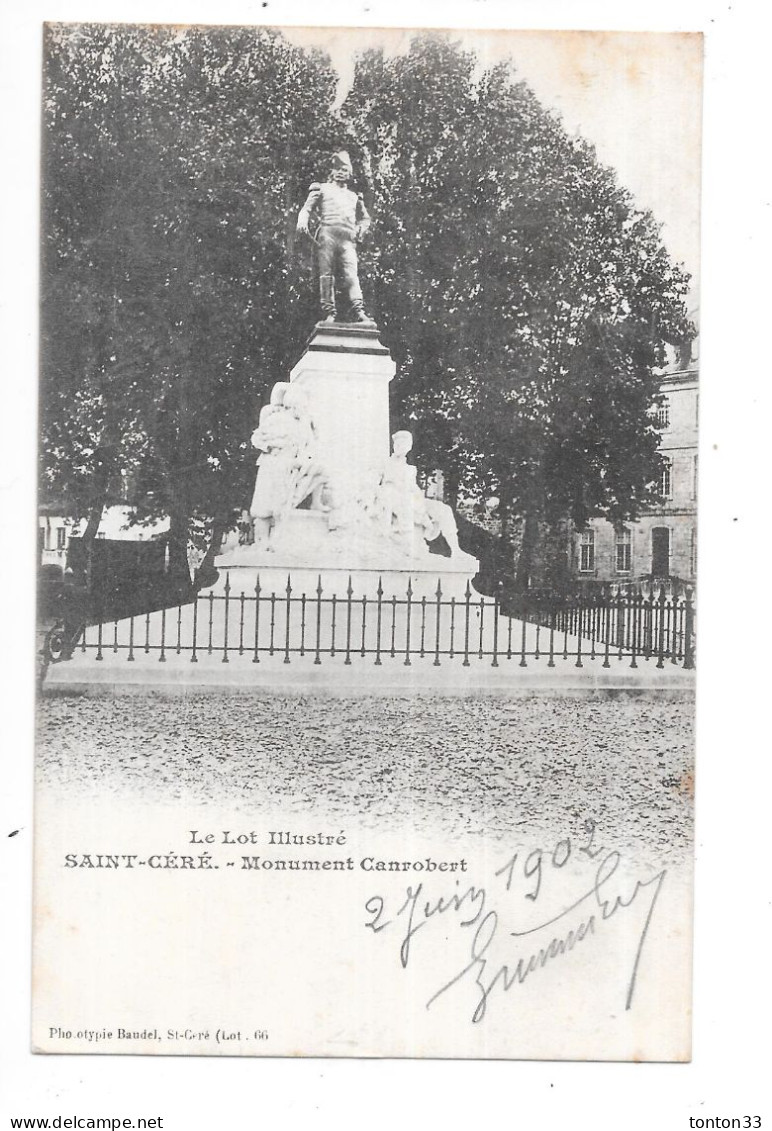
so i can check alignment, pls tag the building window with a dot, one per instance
(623, 550)
(693, 553)
(662, 414)
(666, 479)
(660, 551)
(694, 477)
(587, 552)
(61, 537)
(101, 534)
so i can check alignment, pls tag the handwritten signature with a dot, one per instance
(471, 909)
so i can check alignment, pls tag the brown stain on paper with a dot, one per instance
(686, 785)
(587, 58)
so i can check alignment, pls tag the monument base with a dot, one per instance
(305, 549)
(356, 518)
(274, 578)
(345, 372)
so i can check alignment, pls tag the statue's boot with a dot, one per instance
(356, 312)
(327, 297)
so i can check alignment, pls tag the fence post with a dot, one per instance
(495, 660)
(661, 628)
(100, 614)
(349, 594)
(393, 650)
(551, 661)
(317, 657)
(648, 620)
(669, 622)
(677, 627)
(287, 622)
(620, 603)
(256, 656)
(523, 615)
(689, 631)
(437, 626)
(606, 597)
(193, 656)
(162, 656)
(409, 610)
(578, 622)
(482, 621)
(379, 613)
(634, 606)
(466, 625)
(363, 651)
(272, 634)
(211, 622)
(225, 620)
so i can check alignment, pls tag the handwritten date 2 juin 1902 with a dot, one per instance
(535, 944)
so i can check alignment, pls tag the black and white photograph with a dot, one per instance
(367, 619)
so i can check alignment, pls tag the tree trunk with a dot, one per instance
(178, 541)
(206, 572)
(528, 546)
(88, 537)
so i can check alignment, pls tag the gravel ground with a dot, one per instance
(492, 766)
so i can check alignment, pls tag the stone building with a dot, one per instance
(663, 542)
(55, 529)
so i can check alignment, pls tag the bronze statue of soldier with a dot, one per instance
(335, 218)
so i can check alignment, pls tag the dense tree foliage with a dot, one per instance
(525, 298)
(173, 163)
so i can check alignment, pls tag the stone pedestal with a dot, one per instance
(345, 374)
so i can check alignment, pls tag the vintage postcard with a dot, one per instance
(367, 602)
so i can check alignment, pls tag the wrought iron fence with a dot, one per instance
(433, 628)
(640, 622)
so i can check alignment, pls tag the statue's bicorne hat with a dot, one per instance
(341, 160)
(403, 434)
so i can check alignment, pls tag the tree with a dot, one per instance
(172, 301)
(525, 298)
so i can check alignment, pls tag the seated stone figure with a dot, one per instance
(400, 509)
(308, 474)
(288, 470)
